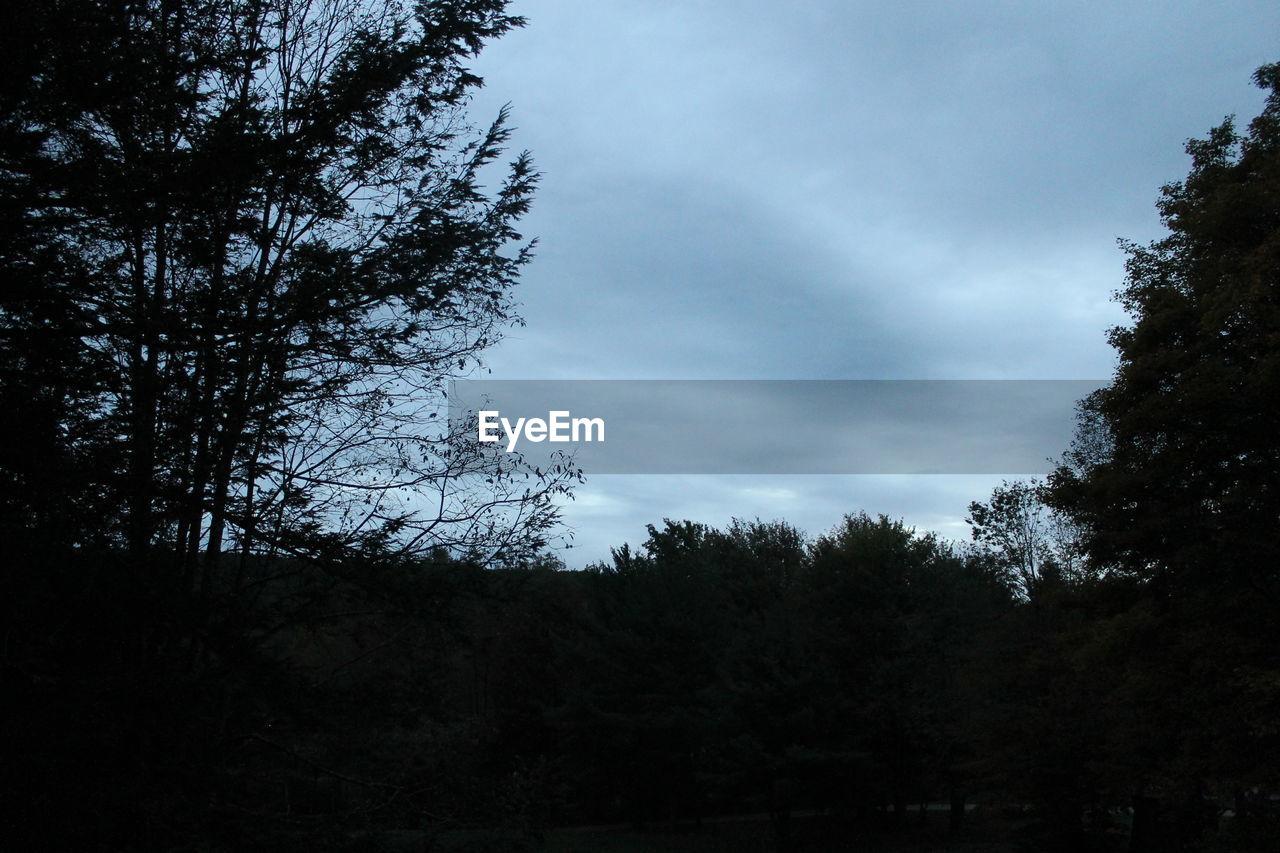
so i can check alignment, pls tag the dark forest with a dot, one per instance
(259, 595)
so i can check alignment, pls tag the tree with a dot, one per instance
(243, 245)
(1174, 482)
(867, 579)
(1189, 483)
(642, 717)
(250, 243)
(1032, 544)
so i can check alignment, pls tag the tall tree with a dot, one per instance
(865, 583)
(1175, 480)
(1189, 484)
(251, 241)
(243, 245)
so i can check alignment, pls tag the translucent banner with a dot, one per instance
(1010, 427)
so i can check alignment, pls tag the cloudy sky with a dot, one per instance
(843, 190)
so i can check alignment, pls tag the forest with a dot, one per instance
(260, 596)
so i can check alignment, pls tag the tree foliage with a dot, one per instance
(250, 241)
(243, 246)
(1174, 483)
(1189, 485)
(1032, 544)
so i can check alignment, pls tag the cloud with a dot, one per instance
(838, 190)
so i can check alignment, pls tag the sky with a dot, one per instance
(736, 189)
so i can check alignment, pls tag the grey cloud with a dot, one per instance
(846, 190)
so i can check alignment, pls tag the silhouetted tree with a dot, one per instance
(244, 245)
(250, 244)
(1189, 483)
(1030, 542)
(1175, 482)
(864, 586)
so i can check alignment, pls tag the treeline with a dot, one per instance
(709, 672)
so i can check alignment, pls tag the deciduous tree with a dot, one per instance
(1189, 485)
(1175, 481)
(251, 240)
